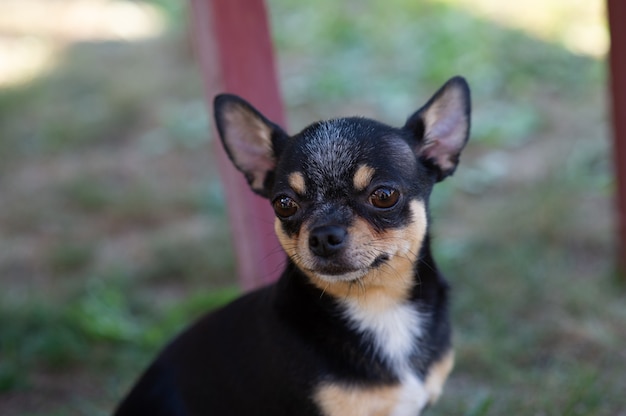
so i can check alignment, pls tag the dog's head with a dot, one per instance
(350, 194)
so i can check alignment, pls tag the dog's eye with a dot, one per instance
(285, 207)
(384, 197)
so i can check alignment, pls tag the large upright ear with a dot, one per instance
(251, 141)
(441, 127)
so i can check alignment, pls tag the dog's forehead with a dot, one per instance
(333, 150)
(330, 149)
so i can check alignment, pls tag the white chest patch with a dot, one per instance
(395, 330)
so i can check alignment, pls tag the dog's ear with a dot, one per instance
(441, 127)
(251, 141)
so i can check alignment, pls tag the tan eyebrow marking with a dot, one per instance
(363, 177)
(296, 181)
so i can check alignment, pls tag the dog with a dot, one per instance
(358, 322)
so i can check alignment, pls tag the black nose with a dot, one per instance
(327, 240)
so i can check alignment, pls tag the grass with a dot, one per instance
(113, 219)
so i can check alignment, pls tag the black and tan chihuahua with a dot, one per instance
(358, 322)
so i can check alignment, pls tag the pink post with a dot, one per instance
(234, 48)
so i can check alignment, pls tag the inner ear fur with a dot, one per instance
(250, 140)
(441, 127)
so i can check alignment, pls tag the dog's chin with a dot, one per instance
(348, 276)
(336, 273)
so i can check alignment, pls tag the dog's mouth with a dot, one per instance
(337, 272)
(379, 261)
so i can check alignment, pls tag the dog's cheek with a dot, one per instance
(409, 239)
(404, 244)
(288, 242)
(364, 243)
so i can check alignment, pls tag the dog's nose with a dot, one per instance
(327, 240)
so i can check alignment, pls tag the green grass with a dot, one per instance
(113, 220)
(98, 326)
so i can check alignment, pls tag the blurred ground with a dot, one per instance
(112, 223)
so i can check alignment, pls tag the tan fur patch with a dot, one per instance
(336, 400)
(289, 244)
(381, 287)
(363, 177)
(437, 376)
(389, 283)
(296, 181)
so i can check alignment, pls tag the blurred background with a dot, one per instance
(113, 231)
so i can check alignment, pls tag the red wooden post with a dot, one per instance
(617, 59)
(233, 44)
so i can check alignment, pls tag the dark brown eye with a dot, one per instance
(384, 197)
(285, 207)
